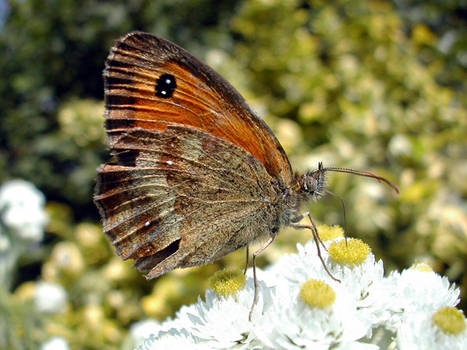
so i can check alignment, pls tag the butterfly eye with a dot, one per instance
(165, 85)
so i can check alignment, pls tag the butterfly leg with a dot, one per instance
(255, 280)
(317, 240)
(300, 217)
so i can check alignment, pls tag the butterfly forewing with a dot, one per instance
(152, 83)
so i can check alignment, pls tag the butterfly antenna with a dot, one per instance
(364, 173)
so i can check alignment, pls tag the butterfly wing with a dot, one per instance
(152, 83)
(181, 197)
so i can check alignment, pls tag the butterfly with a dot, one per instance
(196, 173)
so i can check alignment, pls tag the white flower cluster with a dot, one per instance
(22, 209)
(350, 314)
(49, 297)
(55, 343)
(22, 222)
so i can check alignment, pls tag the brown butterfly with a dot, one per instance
(197, 174)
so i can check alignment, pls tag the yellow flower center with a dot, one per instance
(316, 293)
(227, 282)
(349, 252)
(450, 320)
(328, 233)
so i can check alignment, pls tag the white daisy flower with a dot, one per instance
(218, 322)
(316, 314)
(351, 262)
(222, 321)
(362, 276)
(418, 289)
(444, 329)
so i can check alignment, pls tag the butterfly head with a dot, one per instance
(313, 183)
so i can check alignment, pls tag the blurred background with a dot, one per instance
(374, 85)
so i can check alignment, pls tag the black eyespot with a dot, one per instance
(165, 86)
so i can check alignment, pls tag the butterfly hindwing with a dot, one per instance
(182, 197)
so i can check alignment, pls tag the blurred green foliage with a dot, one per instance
(377, 85)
